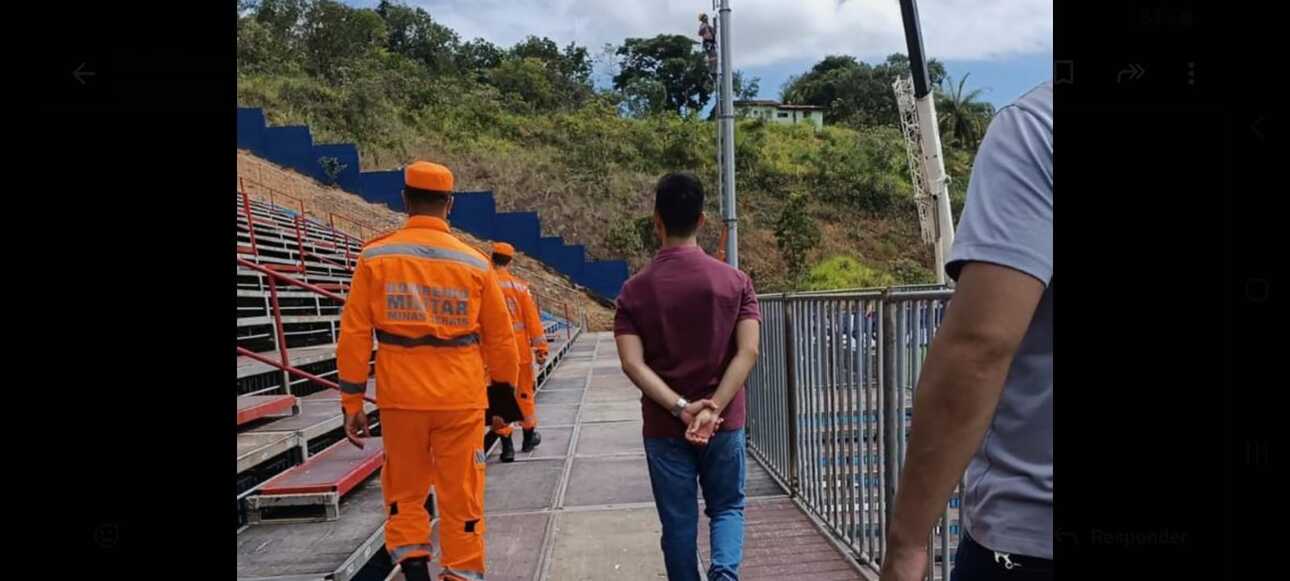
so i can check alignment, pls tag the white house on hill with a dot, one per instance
(776, 112)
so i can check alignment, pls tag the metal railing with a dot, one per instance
(283, 363)
(830, 402)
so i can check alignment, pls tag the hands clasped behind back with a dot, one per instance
(701, 418)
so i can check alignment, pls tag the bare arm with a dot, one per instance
(747, 332)
(958, 391)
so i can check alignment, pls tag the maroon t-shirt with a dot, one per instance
(684, 306)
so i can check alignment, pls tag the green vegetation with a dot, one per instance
(331, 168)
(846, 272)
(796, 234)
(528, 122)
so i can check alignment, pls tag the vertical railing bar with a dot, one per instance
(848, 429)
(812, 395)
(821, 405)
(903, 329)
(793, 417)
(841, 367)
(802, 421)
(826, 368)
(791, 408)
(862, 538)
(841, 415)
(783, 386)
(808, 400)
(887, 397)
(774, 363)
(770, 381)
(853, 355)
(866, 505)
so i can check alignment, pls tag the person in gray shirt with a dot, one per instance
(984, 401)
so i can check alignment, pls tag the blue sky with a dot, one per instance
(1002, 80)
(1005, 45)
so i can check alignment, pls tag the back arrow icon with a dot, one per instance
(81, 74)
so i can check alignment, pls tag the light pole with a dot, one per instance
(726, 120)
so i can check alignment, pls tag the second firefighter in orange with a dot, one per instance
(530, 342)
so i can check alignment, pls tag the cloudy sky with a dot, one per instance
(1006, 45)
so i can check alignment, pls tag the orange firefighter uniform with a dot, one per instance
(440, 320)
(527, 325)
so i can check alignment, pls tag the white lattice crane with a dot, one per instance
(916, 103)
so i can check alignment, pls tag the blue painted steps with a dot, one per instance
(473, 212)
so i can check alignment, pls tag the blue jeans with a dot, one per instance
(676, 471)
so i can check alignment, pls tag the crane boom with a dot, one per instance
(917, 106)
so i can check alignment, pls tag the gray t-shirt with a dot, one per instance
(1008, 220)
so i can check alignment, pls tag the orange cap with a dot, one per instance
(428, 176)
(503, 249)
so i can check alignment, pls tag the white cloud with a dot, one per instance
(767, 32)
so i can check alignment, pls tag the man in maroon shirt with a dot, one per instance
(686, 329)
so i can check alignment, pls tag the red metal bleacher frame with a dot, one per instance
(284, 364)
(360, 227)
(254, 407)
(316, 474)
(310, 491)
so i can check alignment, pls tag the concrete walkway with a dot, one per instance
(579, 507)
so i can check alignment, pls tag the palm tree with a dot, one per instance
(962, 114)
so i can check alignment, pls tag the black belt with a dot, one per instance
(426, 341)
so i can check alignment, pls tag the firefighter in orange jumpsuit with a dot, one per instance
(529, 339)
(441, 325)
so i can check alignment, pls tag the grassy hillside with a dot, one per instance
(587, 167)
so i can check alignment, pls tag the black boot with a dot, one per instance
(416, 569)
(508, 449)
(531, 440)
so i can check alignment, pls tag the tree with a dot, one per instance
(796, 234)
(271, 33)
(255, 52)
(852, 92)
(281, 18)
(643, 96)
(527, 78)
(478, 56)
(574, 63)
(561, 78)
(543, 49)
(744, 88)
(334, 34)
(673, 61)
(414, 34)
(961, 115)
(898, 65)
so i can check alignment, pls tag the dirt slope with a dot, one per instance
(355, 216)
